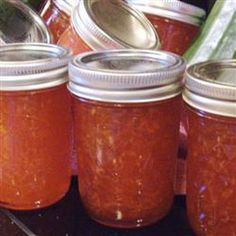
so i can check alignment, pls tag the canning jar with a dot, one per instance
(35, 125)
(20, 24)
(210, 97)
(101, 24)
(126, 106)
(56, 14)
(177, 23)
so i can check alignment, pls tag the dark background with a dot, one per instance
(205, 4)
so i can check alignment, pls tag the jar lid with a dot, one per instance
(211, 87)
(19, 23)
(126, 75)
(106, 24)
(173, 9)
(29, 66)
(66, 5)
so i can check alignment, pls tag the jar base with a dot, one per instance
(127, 225)
(29, 207)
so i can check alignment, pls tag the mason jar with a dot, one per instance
(126, 106)
(35, 125)
(176, 22)
(210, 100)
(56, 14)
(101, 24)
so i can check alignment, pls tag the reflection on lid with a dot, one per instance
(18, 23)
(128, 65)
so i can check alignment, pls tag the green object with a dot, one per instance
(234, 55)
(217, 37)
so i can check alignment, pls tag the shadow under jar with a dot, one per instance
(35, 125)
(210, 98)
(126, 106)
(101, 24)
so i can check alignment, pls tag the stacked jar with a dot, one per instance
(56, 14)
(177, 23)
(101, 24)
(210, 99)
(35, 125)
(126, 106)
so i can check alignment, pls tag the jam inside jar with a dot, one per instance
(56, 14)
(96, 25)
(211, 173)
(35, 125)
(176, 22)
(210, 103)
(34, 163)
(126, 118)
(127, 159)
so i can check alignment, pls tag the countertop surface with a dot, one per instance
(68, 218)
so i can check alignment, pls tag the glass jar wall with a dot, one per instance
(126, 132)
(35, 125)
(56, 14)
(211, 117)
(96, 25)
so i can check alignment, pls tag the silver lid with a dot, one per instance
(172, 9)
(32, 66)
(19, 23)
(113, 24)
(211, 87)
(66, 5)
(126, 75)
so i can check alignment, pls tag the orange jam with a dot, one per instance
(126, 130)
(210, 100)
(96, 25)
(56, 15)
(35, 126)
(35, 147)
(176, 22)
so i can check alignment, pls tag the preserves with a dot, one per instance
(72, 40)
(211, 178)
(211, 175)
(96, 25)
(35, 126)
(176, 23)
(126, 172)
(126, 140)
(56, 15)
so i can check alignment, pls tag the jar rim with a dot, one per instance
(126, 75)
(66, 5)
(89, 21)
(28, 66)
(173, 9)
(211, 86)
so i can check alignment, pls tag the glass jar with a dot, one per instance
(126, 106)
(35, 125)
(20, 24)
(56, 14)
(101, 24)
(177, 23)
(210, 97)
